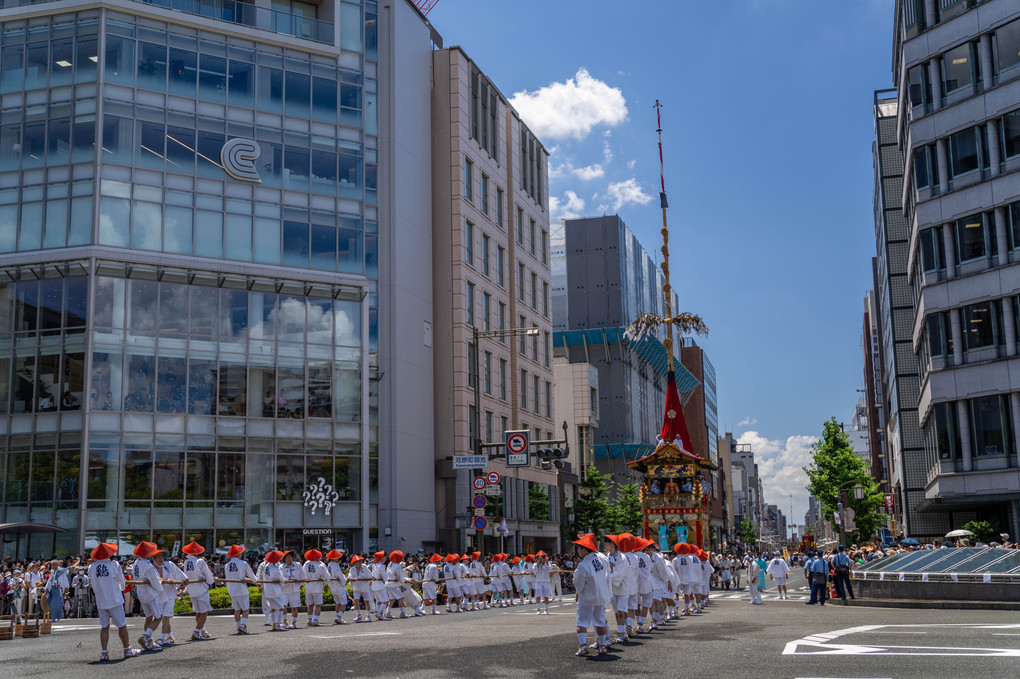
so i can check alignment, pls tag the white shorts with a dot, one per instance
(114, 615)
(363, 594)
(339, 595)
(393, 591)
(780, 580)
(152, 609)
(313, 598)
(241, 603)
(428, 589)
(632, 601)
(645, 600)
(167, 604)
(703, 589)
(620, 603)
(269, 604)
(589, 614)
(200, 604)
(660, 594)
(688, 588)
(453, 591)
(543, 589)
(291, 600)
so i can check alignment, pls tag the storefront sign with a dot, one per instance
(317, 531)
(238, 159)
(320, 495)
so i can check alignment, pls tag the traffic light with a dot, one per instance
(551, 457)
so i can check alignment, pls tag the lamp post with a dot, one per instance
(859, 492)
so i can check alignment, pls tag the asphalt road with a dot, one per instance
(731, 639)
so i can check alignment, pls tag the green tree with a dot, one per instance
(538, 502)
(747, 533)
(627, 510)
(593, 513)
(836, 469)
(984, 531)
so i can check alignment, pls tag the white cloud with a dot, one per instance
(571, 207)
(627, 192)
(747, 422)
(571, 109)
(780, 467)
(588, 172)
(631, 164)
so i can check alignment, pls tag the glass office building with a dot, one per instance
(189, 336)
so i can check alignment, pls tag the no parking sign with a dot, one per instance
(480, 523)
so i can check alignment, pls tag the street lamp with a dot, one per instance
(859, 492)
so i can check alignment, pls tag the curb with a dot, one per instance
(938, 604)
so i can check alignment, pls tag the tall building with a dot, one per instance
(491, 276)
(747, 492)
(871, 345)
(953, 123)
(212, 311)
(602, 281)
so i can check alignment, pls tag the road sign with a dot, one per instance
(493, 491)
(479, 512)
(518, 452)
(480, 523)
(479, 502)
(479, 482)
(470, 461)
(492, 478)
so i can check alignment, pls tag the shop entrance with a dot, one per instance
(322, 539)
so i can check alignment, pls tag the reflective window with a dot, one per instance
(982, 325)
(960, 67)
(990, 425)
(1007, 46)
(973, 237)
(1009, 134)
(968, 151)
(932, 257)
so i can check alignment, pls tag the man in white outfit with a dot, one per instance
(316, 577)
(754, 576)
(591, 583)
(543, 582)
(238, 575)
(337, 584)
(200, 579)
(293, 576)
(150, 593)
(430, 582)
(360, 574)
(619, 571)
(778, 570)
(107, 580)
(171, 578)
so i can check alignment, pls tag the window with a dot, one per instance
(524, 389)
(488, 426)
(537, 383)
(472, 365)
(982, 325)
(523, 323)
(485, 195)
(542, 245)
(499, 207)
(486, 310)
(500, 258)
(520, 281)
(502, 381)
(534, 347)
(545, 299)
(471, 304)
(485, 255)
(940, 335)
(960, 68)
(968, 151)
(472, 425)
(990, 425)
(469, 243)
(1006, 43)
(487, 373)
(469, 168)
(1014, 226)
(1009, 134)
(945, 432)
(493, 128)
(548, 400)
(531, 236)
(534, 290)
(548, 349)
(520, 226)
(504, 424)
(973, 236)
(501, 320)
(932, 257)
(593, 399)
(918, 86)
(926, 167)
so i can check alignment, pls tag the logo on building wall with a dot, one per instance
(320, 495)
(238, 159)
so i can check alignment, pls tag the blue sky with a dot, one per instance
(767, 132)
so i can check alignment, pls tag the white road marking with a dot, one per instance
(818, 644)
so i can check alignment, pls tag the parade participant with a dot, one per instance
(171, 578)
(672, 588)
(337, 584)
(107, 580)
(543, 582)
(478, 580)
(259, 577)
(763, 564)
(453, 590)
(382, 602)
(627, 545)
(506, 593)
(683, 564)
(430, 583)
(659, 579)
(237, 574)
(464, 580)
(618, 571)
(150, 591)
(200, 578)
(754, 576)
(394, 579)
(360, 575)
(292, 578)
(411, 596)
(273, 598)
(591, 583)
(517, 570)
(706, 570)
(644, 582)
(316, 576)
(529, 577)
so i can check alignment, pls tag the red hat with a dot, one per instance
(541, 553)
(645, 544)
(379, 557)
(145, 549)
(104, 551)
(334, 554)
(626, 542)
(615, 539)
(528, 558)
(514, 561)
(275, 556)
(434, 558)
(475, 555)
(356, 558)
(396, 556)
(451, 558)
(587, 541)
(290, 552)
(680, 548)
(465, 556)
(235, 550)
(703, 555)
(193, 548)
(313, 555)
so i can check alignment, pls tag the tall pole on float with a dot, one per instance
(667, 290)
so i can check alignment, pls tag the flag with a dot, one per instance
(835, 516)
(503, 530)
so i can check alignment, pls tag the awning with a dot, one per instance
(26, 528)
(962, 503)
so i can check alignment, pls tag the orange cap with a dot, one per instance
(145, 549)
(396, 556)
(334, 554)
(587, 541)
(275, 556)
(235, 550)
(313, 555)
(193, 548)
(104, 550)
(434, 558)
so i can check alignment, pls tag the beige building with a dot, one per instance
(491, 276)
(576, 402)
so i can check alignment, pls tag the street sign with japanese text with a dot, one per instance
(518, 446)
(470, 461)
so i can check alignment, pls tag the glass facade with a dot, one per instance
(159, 382)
